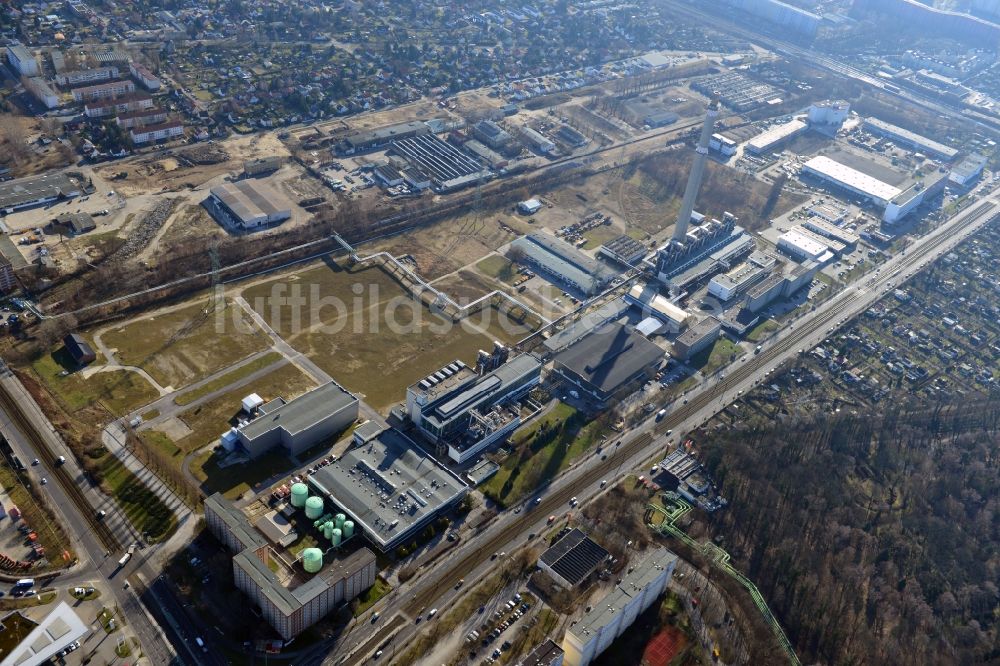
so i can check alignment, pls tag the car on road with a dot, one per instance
(573, 501)
(604, 482)
(375, 617)
(432, 613)
(538, 500)
(34, 462)
(44, 480)
(660, 414)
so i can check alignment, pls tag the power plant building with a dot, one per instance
(607, 362)
(829, 112)
(611, 616)
(654, 304)
(389, 487)
(463, 412)
(697, 338)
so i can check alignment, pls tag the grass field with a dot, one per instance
(368, 598)
(182, 346)
(228, 378)
(543, 448)
(144, 509)
(16, 629)
(599, 236)
(234, 480)
(119, 391)
(381, 341)
(762, 330)
(498, 267)
(210, 419)
(711, 359)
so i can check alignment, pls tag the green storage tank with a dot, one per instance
(312, 559)
(300, 493)
(339, 519)
(314, 508)
(348, 529)
(327, 529)
(335, 536)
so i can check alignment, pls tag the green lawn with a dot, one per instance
(598, 236)
(542, 450)
(499, 267)
(762, 330)
(182, 346)
(368, 598)
(16, 628)
(228, 378)
(144, 509)
(120, 391)
(711, 359)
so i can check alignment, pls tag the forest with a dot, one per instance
(874, 537)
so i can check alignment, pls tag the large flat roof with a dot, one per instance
(388, 486)
(585, 324)
(633, 583)
(24, 191)
(609, 356)
(775, 134)
(486, 386)
(248, 199)
(851, 178)
(58, 629)
(912, 138)
(301, 413)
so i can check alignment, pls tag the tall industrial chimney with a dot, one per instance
(697, 170)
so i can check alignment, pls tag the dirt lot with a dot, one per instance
(380, 341)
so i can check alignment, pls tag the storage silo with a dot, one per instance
(340, 518)
(314, 507)
(312, 559)
(335, 536)
(300, 493)
(348, 529)
(327, 529)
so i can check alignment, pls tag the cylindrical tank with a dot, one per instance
(348, 529)
(300, 493)
(312, 559)
(340, 518)
(314, 508)
(335, 536)
(327, 530)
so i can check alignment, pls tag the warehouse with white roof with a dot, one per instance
(850, 179)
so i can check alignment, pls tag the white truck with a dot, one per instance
(127, 556)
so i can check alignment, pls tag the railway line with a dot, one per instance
(60, 473)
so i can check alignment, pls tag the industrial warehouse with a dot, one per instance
(247, 205)
(295, 425)
(389, 486)
(448, 168)
(562, 261)
(35, 191)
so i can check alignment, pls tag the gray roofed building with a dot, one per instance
(301, 423)
(624, 249)
(546, 654)
(564, 262)
(465, 413)
(291, 600)
(573, 558)
(610, 311)
(390, 487)
(604, 363)
(369, 139)
(60, 627)
(612, 615)
(697, 338)
(71, 224)
(27, 192)
(247, 204)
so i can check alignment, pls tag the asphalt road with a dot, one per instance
(473, 559)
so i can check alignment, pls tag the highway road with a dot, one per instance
(434, 588)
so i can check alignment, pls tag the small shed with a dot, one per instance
(529, 207)
(251, 403)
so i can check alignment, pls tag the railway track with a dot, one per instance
(59, 472)
(555, 503)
